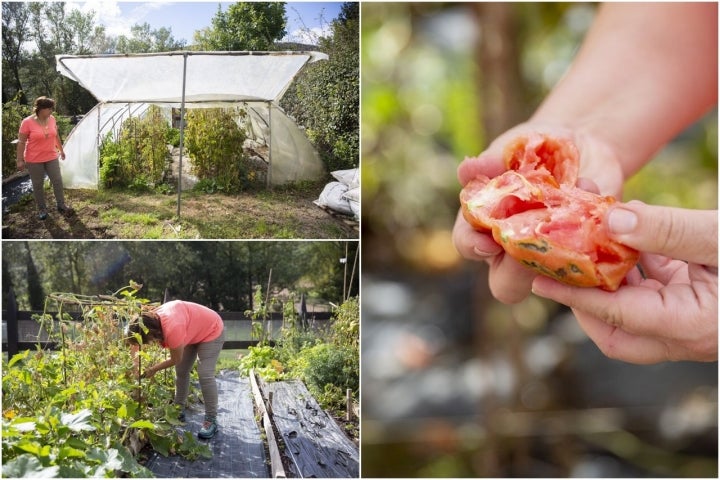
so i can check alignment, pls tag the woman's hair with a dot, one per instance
(43, 102)
(151, 332)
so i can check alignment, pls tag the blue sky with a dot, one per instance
(184, 18)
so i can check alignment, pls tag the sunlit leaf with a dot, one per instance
(18, 357)
(27, 466)
(24, 424)
(69, 452)
(143, 424)
(78, 422)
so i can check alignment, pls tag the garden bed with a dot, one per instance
(276, 213)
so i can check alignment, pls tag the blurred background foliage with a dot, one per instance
(455, 383)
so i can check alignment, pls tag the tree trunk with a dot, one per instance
(501, 84)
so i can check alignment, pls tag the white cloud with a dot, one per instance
(109, 14)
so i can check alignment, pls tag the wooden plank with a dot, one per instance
(276, 465)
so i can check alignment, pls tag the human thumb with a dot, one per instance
(690, 235)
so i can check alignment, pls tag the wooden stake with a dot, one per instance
(348, 404)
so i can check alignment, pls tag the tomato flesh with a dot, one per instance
(541, 219)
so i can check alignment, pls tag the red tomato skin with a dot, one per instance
(542, 220)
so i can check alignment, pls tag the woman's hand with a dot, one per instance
(510, 282)
(672, 314)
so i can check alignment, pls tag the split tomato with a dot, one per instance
(538, 215)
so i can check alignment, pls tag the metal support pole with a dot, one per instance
(270, 159)
(182, 132)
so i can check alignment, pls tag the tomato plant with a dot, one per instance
(139, 156)
(327, 361)
(82, 410)
(214, 141)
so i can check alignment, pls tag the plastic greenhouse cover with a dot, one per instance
(214, 79)
(211, 76)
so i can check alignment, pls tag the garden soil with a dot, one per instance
(267, 214)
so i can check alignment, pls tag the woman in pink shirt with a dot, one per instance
(38, 150)
(189, 331)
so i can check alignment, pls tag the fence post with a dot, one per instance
(12, 325)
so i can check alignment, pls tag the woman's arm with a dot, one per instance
(20, 155)
(176, 355)
(58, 142)
(644, 73)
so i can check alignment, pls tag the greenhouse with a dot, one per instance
(127, 85)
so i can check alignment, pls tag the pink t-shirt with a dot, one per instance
(187, 323)
(42, 142)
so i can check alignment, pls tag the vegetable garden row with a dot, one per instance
(80, 411)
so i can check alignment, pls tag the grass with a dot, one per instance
(279, 213)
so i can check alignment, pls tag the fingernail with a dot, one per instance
(483, 253)
(622, 221)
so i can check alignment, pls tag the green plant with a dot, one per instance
(259, 315)
(138, 157)
(214, 142)
(346, 327)
(325, 98)
(263, 359)
(13, 113)
(72, 412)
(172, 137)
(328, 370)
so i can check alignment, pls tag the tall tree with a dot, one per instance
(15, 33)
(144, 39)
(244, 26)
(36, 294)
(325, 98)
(54, 32)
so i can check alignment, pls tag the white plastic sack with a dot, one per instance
(332, 198)
(350, 177)
(353, 197)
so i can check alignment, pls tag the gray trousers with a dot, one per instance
(37, 173)
(207, 354)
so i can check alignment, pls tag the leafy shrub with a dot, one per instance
(110, 159)
(346, 327)
(214, 142)
(76, 412)
(263, 359)
(330, 365)
(139, 156)
(12, 115)
(325, 98)
(173, 137)
(327, 361)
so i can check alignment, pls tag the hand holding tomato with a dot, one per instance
(509, 280)
(672, 313)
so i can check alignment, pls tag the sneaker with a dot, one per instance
(181, 415)
(65, 210)
(42, 215)
(209, 428)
